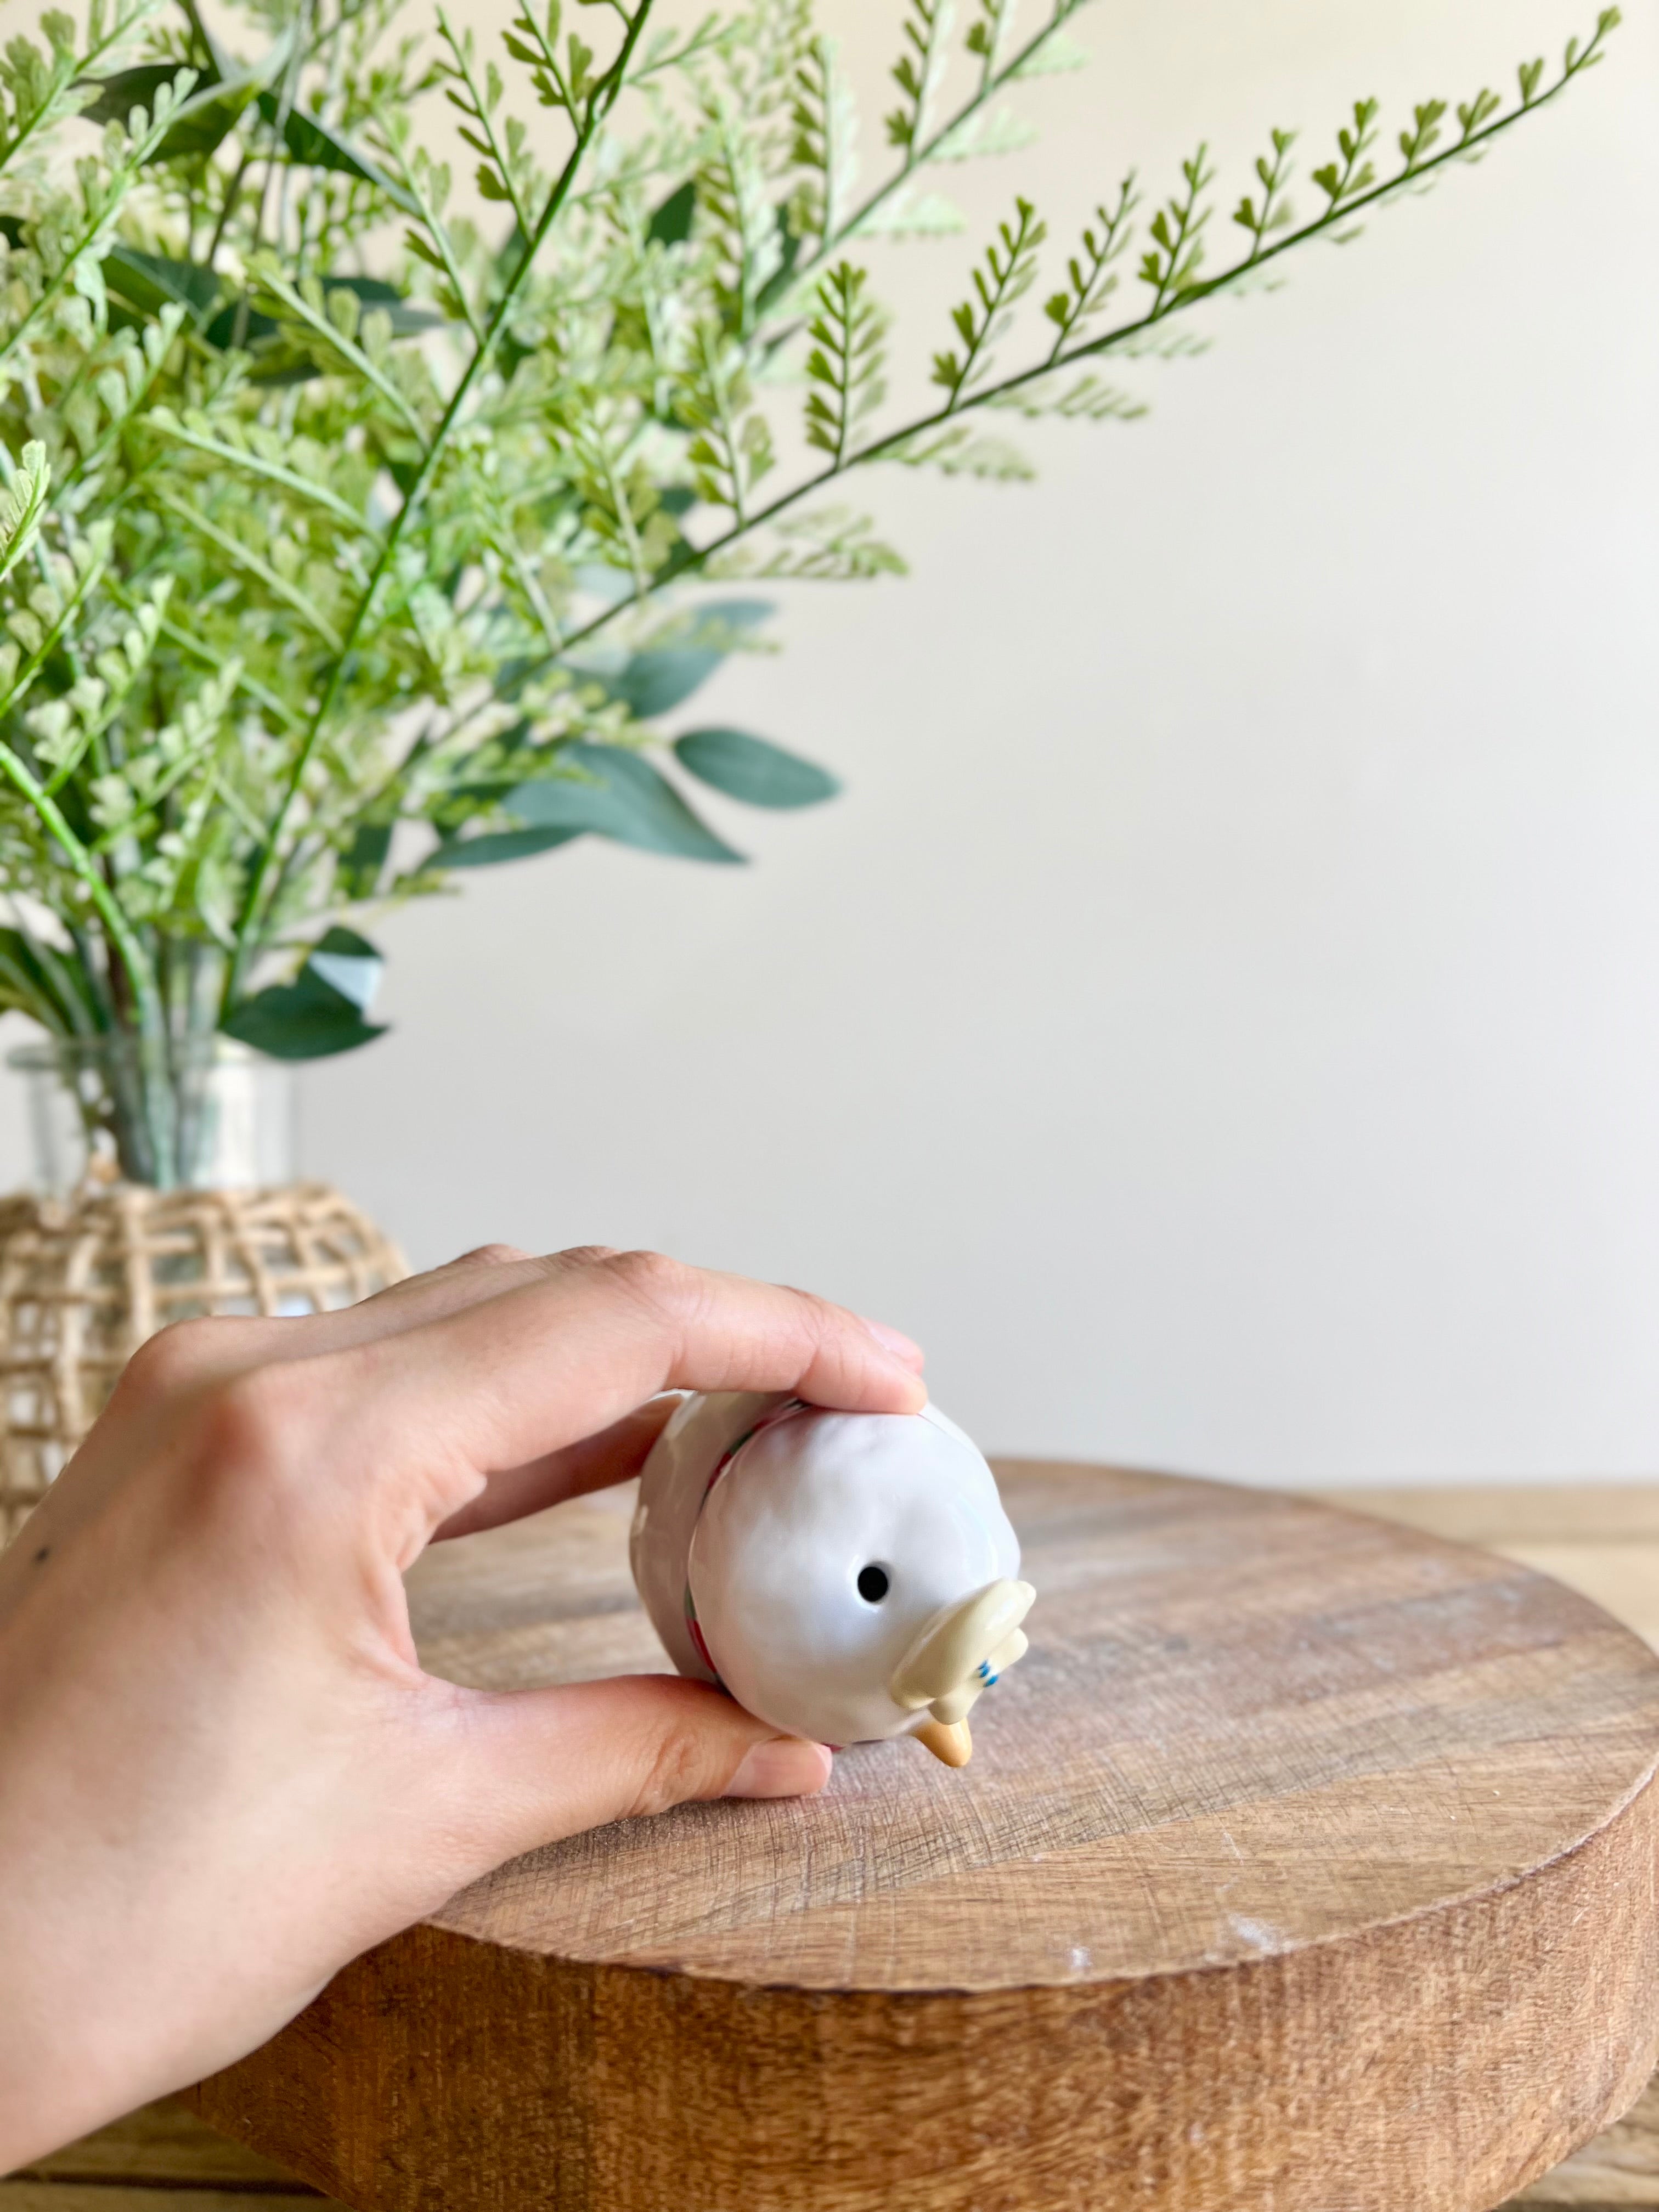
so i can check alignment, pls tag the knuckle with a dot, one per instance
(652, 1277)
(491, 1255)
(579, 1256)
(246, 1429)
(177, 1357)
(819, 1316)
(248, 1410)
(674, 1771)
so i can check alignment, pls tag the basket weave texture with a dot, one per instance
(85, 1279)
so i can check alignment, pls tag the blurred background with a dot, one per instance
(1221, 1016)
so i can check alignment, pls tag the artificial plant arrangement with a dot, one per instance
(345, 540)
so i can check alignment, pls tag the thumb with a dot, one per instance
(538, 1764)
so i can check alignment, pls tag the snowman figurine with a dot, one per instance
(845, 1576)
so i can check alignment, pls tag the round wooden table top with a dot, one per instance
(1247, 1722)
(1307, 1860)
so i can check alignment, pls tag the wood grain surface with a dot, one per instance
(1306, 1862)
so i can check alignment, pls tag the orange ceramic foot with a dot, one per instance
(947, 1739)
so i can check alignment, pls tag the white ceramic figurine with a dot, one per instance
(847, 1576)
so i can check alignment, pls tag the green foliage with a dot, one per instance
(347, 545)
(844, 365)
(1170, 265)
(753, 770)
(1090, 278)
(1006, 274)
(917, 71)
(322, 1010)
(617, 794)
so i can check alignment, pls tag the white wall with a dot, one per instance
(1222, 1018)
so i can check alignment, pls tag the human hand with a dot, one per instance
(223, 1772)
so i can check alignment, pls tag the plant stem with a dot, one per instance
(118, 929)
(918, 157)
(694, 558)
(600, 103)
(48, 112)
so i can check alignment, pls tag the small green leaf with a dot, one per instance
(619, 795)
(753, 770)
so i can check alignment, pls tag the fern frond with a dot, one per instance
(1090, 278)
(22, 504)
(1005, 275)
(845, 364)
(926, 32)
(1171, 263)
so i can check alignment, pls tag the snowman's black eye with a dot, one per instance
(874, 1583)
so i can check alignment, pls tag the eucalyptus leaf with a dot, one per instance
(211, 113)
(257, 329)
(123, 90)
(671, 223)
(321, 1012)
(408, 319)
(264, 336)
(654, 682)
(152, 281)
(349, 964)
(302, 1020)
(495, 846)
(660, 678)
(753, 770)
(317, 146)
(364, 858)
(619, 795)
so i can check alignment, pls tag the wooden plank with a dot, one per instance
(1307, 1860)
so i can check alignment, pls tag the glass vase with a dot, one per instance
(171, 1113)
(163, 1189)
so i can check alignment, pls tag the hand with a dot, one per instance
(222, 1770)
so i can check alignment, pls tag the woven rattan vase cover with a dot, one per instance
(84, 1280)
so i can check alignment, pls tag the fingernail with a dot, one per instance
(892, 1341)
(784, 1766)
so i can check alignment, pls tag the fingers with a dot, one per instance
(529, 1766)
(435, 1410)
(470, 1279)
(595, 1464)
(194, 1355)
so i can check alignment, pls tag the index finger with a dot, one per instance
(431, 1412)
